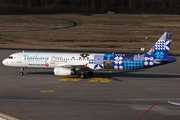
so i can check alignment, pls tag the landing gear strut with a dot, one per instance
(82, 75)
(73, 72)
(21, 71)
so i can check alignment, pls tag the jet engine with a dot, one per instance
(62, 71)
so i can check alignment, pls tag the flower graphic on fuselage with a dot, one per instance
(159, 54)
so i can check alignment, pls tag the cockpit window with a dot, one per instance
(10, 57)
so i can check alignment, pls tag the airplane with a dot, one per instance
(85, 63)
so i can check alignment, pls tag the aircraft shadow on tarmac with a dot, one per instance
(135, 75)
(41, 73)
(106, 74)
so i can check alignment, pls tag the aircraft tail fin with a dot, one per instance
(161, 48)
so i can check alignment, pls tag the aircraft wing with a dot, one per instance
(76, 67)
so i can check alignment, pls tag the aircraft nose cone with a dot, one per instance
(4, 62)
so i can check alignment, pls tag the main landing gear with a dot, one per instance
(21, 71)
(82, 75)
(90, 73)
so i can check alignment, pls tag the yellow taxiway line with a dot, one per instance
(47, 91)
(103, 80)
(70, 79)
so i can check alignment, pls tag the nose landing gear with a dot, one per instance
(21, 71)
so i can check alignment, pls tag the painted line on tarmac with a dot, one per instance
(103, 80)
(44, 99)
(70, 79)
(7, 117)
(148, 110)
(47, 91)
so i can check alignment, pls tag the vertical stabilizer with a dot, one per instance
(161, 48)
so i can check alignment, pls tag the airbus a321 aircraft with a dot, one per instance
(79, 63)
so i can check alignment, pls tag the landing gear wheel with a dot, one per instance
(21, 73)
(82, 76)
(90, 73)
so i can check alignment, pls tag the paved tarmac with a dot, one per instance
(122, 95)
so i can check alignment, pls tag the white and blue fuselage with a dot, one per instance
(70, 63)
(93, 61)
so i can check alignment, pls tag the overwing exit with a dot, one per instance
(85, 63)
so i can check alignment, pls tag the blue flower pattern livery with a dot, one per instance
(118, 61)
(159, 54)
(155, 56)
(109, 61)
(161, 48)
(98, 61)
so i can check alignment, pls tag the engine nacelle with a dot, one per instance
(62, 71)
